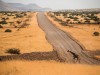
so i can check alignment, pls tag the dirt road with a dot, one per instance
(61, 43)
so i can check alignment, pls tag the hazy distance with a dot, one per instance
(61, 4)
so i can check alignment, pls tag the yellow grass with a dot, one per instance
(83, 33)
(46, 68)
(30, 39)
(98, 56)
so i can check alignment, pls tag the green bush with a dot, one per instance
(8, 30)
(13, 51)
(96, 33)
(3, 22)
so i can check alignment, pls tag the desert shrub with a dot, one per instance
(71, 22)
(9, 15)
(11, 23)
(13, 51)
(98, 22)
(79, 22)
(3, 18)
(18, 16)
(18, 22)
(71, 17)
(75, 18)
(7, 18)
(59, 20)
(25, 14)
(3, 22)
(68, 20)
(8, 30)
(87, 21)
(96, 33)
(63, 23)
(64, 14)
(15, 26)
(57, 13)
(1, 26)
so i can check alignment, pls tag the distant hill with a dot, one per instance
(6, 7)
(29, 7)
(21, 7)
(16, 4)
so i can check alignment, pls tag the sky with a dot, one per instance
(61, 4)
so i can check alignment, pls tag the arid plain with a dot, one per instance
(31, 38)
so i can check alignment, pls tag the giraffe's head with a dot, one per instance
(68, 51)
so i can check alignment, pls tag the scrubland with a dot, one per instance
(31, 38)
(82, 31)
(25, 36)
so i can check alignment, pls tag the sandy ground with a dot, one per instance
(33, 42)
(46, 68)
(83, 33)
(97, 56)
(30, 39)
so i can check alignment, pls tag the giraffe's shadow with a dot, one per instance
(52, 55)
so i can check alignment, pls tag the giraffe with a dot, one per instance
(75, 56)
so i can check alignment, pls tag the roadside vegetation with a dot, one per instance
(14, 19)
(83, 26)
(13, 51)
(20, 30)
(76, 17)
